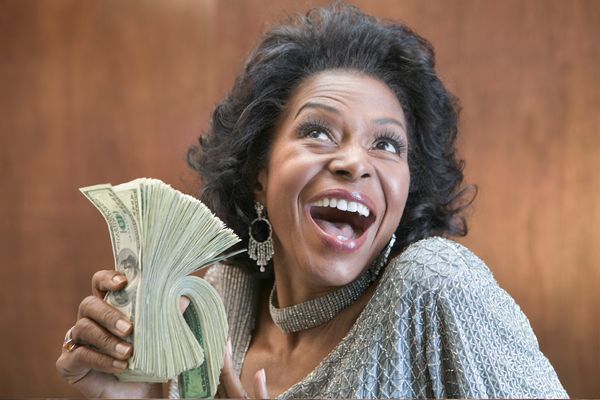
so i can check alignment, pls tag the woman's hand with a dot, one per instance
(98, 349)
(231, 386)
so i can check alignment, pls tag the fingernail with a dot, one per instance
(123, 325)
(119, 364)
(122, 348)
(118, 279)
(229, 350)
(262, 375)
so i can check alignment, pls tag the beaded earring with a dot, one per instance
(382, 259)
(260, 243)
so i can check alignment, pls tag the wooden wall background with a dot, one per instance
(108, 91)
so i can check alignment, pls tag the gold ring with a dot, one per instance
(68, 344)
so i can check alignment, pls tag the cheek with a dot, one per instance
(291, 167)
(396, 188)
(289, 173)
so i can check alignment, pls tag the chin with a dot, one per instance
(338, 273)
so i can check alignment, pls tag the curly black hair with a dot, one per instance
(230, 155)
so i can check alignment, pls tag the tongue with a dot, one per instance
(337, 229)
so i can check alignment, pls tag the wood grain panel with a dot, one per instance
(109, 91)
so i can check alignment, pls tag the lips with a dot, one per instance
(342, 217)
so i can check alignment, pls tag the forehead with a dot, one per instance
(346, 91)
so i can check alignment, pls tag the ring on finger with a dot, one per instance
(68, 344)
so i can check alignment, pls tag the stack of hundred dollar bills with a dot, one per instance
(160, 236)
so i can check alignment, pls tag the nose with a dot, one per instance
(351, 163)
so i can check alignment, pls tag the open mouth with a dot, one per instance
(342, 219)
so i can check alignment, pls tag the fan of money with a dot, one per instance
(159, 237)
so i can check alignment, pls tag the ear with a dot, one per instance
(260, 187)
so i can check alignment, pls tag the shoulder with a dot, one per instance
(229, 280)
(238, 290)
(437, 273)
(477, 341)
(215, 276)
(437, 262)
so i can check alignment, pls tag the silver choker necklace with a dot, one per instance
(315, 312)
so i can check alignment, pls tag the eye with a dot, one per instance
(389, 143)
(317, 134)
(315, 130)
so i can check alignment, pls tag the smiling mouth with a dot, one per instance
(342, 219)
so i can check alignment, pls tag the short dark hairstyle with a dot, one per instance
(230, 155)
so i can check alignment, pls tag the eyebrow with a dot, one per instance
(385, 121)
(378, 121)
(311, 104)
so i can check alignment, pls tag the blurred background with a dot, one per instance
(108, 91)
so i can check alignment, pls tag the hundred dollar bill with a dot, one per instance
(125, 239)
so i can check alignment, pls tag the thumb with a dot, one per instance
(229, 379)
(184, 302)
(260, 385)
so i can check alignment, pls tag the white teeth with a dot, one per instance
(344, 205)
(363, 210)
(342, 238)
(352, 206)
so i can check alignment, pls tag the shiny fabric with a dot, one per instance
(449, 331)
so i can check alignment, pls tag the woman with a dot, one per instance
(333, 158)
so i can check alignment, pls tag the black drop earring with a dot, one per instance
(260, 243)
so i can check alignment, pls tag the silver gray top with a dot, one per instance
(438, 325)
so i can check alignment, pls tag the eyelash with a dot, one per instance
(398, 143)
(306, 128)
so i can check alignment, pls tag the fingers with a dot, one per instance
(229, 379)
(107, 280)
(99, 331)
(101, 327)
(77, 364)
(89, 332)
(105, 315)
(231, 386)
(260, 385)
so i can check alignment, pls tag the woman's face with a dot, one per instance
(337, 178)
